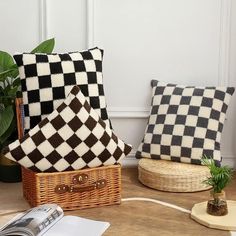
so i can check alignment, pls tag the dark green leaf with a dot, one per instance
(7, 73)
(45, 47)
(8, 133)
(15, 71)
(16, 82)
(6, 61)
(6, 117)
(12, 91)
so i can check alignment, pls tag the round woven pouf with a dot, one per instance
(172, 176)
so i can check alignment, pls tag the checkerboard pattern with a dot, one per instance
(72, 137)
(48, 78)
(185, 123)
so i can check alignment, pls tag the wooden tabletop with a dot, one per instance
(138, 218)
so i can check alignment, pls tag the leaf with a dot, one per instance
(11, 72)
(16, 82)
(12, 91)
(15, 71)
(45, 47)
(6, 117)
(6, 73)
(220, 176)
(6, 61)
(4, 137)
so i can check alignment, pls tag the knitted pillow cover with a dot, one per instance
(48, 78)
(185, 123)
(72, 137)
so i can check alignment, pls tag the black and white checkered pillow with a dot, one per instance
(48, 78)
(185, 123)
(72, 137)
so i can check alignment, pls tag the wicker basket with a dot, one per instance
(172, 176)
(71, 190)
(95, 187)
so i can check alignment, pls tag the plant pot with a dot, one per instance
(218, 205)
(10, 171)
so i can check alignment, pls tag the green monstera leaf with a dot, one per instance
(45, 47)
(6, 64)
(6, 61)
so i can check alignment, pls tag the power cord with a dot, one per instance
(157, 202)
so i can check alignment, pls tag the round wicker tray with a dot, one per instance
(172, 176)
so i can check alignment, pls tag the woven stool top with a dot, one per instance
(172, 168)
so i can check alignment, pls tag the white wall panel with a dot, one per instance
(176, 41)
(186, 41)
(66, 21)
(19, 25)
(229, 135)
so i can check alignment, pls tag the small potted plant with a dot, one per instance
(9, 90)
(220, 177)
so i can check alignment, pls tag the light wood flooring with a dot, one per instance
(136, 218)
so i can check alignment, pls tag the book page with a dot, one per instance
(33, 222)
(77, 226)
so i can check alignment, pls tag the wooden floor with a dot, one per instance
(133, 218)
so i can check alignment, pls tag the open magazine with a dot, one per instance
(49, 220)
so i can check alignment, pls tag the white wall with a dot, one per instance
(186, 41)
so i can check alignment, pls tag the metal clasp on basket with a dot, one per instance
(80, 179)
(61, 188)
(101, 184)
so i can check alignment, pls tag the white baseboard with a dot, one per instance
(229, 160)
(131, 161)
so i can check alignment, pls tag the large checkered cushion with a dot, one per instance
(185, 123)
(72, 137)
(48, 78)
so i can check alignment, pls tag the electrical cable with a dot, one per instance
(157, 202)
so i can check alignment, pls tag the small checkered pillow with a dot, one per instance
(48, 78)
(185, 123)
(72, 137)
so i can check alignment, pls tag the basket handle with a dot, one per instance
(63, 188)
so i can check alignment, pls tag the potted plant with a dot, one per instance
(9, 90)
(220, 177)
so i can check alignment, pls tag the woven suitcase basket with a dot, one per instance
(172, 176)
(71, 190)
